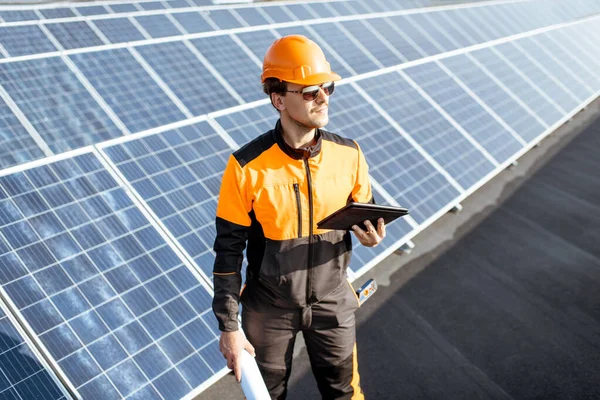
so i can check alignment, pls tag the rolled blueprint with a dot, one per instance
(252, 383)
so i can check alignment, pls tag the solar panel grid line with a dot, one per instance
(140, 28)
(214, 72)
(452, 121)
(98, 32)
(239, 18)
(482, 104)
(223, 133)
(159, 81)
(406, 38)
(448, 34)
(528, 80)
(201, 282)
(552, 75)
(383, 40)
(25, 123)
(26, 348)
(3, 51)
(359, 45)
(179, 27)
(266, 16)
(408, 138)
(417, 26)
(96, 96)
(548, 72)
(246, 50)
(507, 90)
(552, 46)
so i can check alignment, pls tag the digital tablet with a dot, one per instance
(357, 213)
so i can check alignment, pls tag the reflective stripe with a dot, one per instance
(358, 393)
(224, 273)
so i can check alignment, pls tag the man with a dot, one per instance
(274, 191)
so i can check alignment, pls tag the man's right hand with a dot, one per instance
(231, 345)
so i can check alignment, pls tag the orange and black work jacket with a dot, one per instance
(272, 196)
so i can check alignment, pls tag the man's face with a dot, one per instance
(303, 109)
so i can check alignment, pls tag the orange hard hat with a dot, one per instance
(297, 59)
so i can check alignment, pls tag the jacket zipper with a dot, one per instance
(310, 231)
(297, 190)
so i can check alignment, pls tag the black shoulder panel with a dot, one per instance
(254, 148)
(332, 137)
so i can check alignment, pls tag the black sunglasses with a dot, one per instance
(311, 93)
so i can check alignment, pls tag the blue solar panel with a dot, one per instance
(178, 173)
(22, 375)
(383, 52)
(428, 128)
(456, 17)
(300, 11)
(119, 30)
(474, 18)
(465, 110)
(178, 4)
(341, 8)
(517, 117)
(187, 77)
(123, 8)
(423, 24)
(52, 13)
(73, 35)
(158, 26)
(566, 77)
(252, 16)
(58, 106)
(393, 162)
(448, 28)
(224, 19)
(575, 41)
(493, 18)
(100, 287)
(258, 41)
(336, 65)
(573, 58)
(397, 39)
(192, 22)
(242, 73)
(24, 40)
(152, 5)
(517, 85)
(419, 40)
(92, 10)
(277, 14)
(17, 145)
(557, 93)
(18, 15)
(244, 126)
(320, 10)
(141, 104)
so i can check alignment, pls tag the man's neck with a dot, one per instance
(296, 135)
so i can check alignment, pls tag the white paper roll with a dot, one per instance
(252, 383)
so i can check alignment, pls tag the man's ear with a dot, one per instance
(277, 101)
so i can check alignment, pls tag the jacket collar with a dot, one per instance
(297, 154)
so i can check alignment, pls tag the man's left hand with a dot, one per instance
(370, 237)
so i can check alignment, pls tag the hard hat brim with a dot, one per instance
(315, 79)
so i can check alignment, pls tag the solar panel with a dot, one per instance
(141, 104)
(466, 111)
(18, 15)
(517, 85)
(158, 26)
(473, 17)
(116, 308)
(178, 175)
(456, 17)
(92, 10)
(381, 49)
(417, 38)
(341, 8)
(431, 31)
(74, 35)
(245, 125)
(23, 40)
(550, 88)
(123, 8)
(52, 13)
(320, 10)
(258, 41)
(233, 64)
(403, 45)
(277, 14)
(193, 22)
(446, 27)
(17, 145)
(252, 16)
(301, 11)
(152, 5)
(22, 374)
(187, 77)
(360, 60)
(393, 162)
(224, 19)
(58, 106)
(446, 145)
(118, 30)
(494, 96)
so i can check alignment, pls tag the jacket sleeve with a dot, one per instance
(232, 225)
(362, 187)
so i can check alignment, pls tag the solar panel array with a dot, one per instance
(106, 250)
